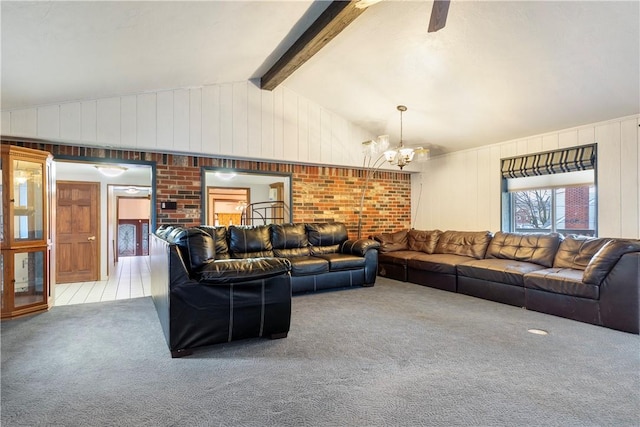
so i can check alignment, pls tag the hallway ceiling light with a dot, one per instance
(225, 176)
(111, 170)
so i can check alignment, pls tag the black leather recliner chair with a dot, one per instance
(201, 301)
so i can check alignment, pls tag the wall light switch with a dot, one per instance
(169, 205)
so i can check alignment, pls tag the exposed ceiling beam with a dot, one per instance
(336, 17)
(438, 15)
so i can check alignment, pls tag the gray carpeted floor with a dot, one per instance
(396, 354)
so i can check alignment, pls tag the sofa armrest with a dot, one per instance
(239, 270)
(619, 293)
(358, 247)
(606, 258)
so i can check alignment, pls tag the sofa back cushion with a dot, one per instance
(196, 246)
(250, 241)
(219, 235)
(423, 240)
(606, 258)
(326, 237)
(289, 240)
(576, 251)
(537, 248)
(390, 242)
(467, 243)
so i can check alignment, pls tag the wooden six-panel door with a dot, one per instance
(77, 231)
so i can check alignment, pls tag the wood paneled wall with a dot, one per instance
(461, 191)
(235, 119)
(456, 191)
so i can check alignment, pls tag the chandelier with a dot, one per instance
(377, 154)
(398, 156)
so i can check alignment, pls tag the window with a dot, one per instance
(566, 210)
(553, 191)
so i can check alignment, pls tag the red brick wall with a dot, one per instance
(576, 207)
(322, 193)
(319, 193)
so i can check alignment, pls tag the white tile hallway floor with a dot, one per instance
(130, 279)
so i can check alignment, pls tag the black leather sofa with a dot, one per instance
(593, 280)
(321, 254)
(217, 284)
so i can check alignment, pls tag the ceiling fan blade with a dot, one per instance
(438, 15)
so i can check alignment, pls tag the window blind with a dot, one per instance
(550, 162)
(557, 180)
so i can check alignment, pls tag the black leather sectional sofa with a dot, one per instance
(593, 280)
(217, 284)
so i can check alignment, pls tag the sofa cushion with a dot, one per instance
(397, 257)
(423, 240)
(505, 271)
(390, 242)
(564, 281)
(326, 234)
(250, 241)
(290, 253)
(219, 235)
(289, 236)
(197, 247)
(234, 270)
(466, 243)
(319, 250)
(289, 240)
(339, 262)
(606, 258)
(576, 251)
(200, 247)
(308, 265)
(437, 263)
(538, 248)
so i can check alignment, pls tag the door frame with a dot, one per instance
(104, 258)
(117, 219)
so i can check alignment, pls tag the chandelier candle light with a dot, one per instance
(378, 149)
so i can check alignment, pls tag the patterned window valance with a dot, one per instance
(550, 162)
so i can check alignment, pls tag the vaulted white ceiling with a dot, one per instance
(497, 71)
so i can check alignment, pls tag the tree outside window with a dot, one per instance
(532, 209)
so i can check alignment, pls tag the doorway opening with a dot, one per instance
(231, 197)
(117, 278)
(225, 205)
(132, 222)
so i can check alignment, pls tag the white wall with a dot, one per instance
(461, 191)
(134, 208)
(234, 119)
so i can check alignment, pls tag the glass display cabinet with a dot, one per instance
(24, 238)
